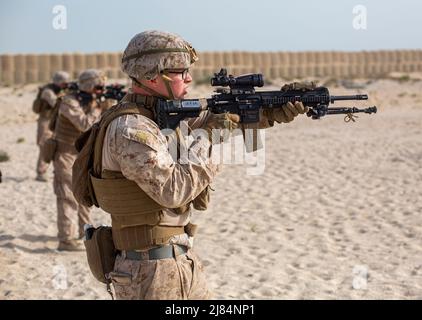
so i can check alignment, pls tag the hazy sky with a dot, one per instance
(26, 26)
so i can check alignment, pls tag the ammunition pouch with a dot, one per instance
(202, 200)
(101, 253)
(48, 150)
(37, 106)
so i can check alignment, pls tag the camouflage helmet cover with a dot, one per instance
(60, 77)
(150, 52)
(90, 78)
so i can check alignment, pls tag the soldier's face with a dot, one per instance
(179, 85)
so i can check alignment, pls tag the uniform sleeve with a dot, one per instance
(75, 114)
(250, 131)
(49, 96)
(142, 153)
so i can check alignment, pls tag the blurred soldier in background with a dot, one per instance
(44, 105)
(77, 112)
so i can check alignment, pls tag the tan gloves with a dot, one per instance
(289, 111)
(221, 121)
(299, 86)
(286, 113)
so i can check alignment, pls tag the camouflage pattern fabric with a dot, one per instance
(135, 146)
(81, 117)
(179, 278)
(60, 77)
(43, 132)
(90, 78)
(143, 59)
(48, 95)
(68, 208)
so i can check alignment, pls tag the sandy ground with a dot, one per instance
(336, 214)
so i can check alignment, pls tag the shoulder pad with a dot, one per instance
(145, 134)
(47, 90)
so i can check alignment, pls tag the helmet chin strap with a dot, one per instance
(166, 80)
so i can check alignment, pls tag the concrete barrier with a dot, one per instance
(91, 61)
(238, 59)
(79, 61)
(69, 65)
(44, 70)
(218, 60)
(102, 61)
(56, 62)
(8, 69)
(19, 69)
(30, 68)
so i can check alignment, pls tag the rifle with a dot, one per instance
(113, 91)
(72, 86)
(241, 98)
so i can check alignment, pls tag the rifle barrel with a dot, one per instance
(347, 98)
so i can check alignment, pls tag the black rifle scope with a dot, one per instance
(246, 80)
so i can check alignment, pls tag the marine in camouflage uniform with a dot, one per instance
(49, 95)
(154, 235)
(77, 112)
(135, 146)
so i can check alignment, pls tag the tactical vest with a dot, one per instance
(64, 130)
(135, 216)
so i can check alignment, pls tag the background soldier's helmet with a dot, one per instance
(90, 78)
(60, 77)
(150, 52)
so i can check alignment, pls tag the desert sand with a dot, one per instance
(336, 214)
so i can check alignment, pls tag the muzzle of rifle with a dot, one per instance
(348, 98)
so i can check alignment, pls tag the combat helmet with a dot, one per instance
(60, 77)
(150, 53)
(90, 78)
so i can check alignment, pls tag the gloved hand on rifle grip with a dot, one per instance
(286, 113)
(289, 111)
(226, 121)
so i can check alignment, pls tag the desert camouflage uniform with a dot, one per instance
(82, 119)
(178, 278)
(135, 146)
(43, 132)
